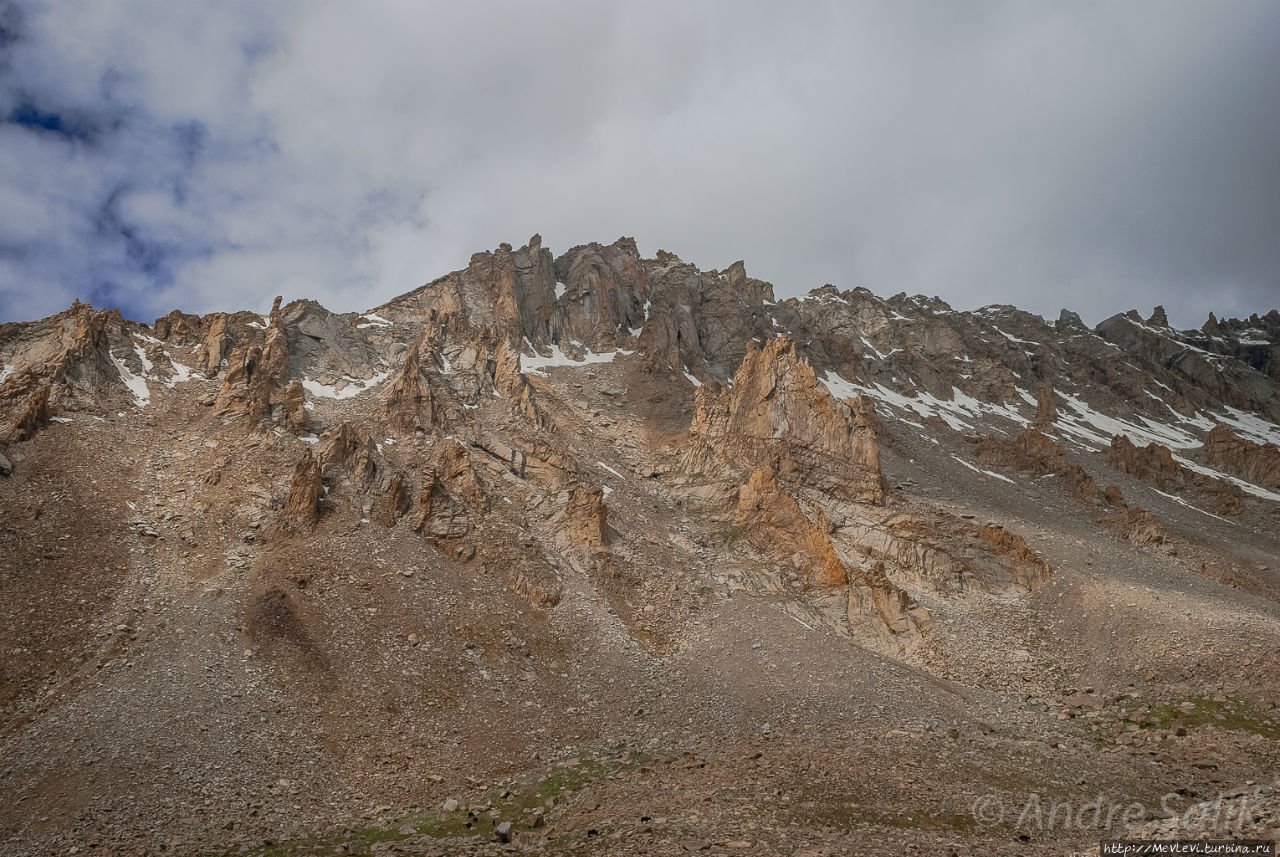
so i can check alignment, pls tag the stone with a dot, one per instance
(777, 416)
(302, 508)
(1256, 462)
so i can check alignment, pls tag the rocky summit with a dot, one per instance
(605, 554)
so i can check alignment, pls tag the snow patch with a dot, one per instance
(537, 364)
(1249, 425)
(181, 373)
(1247, 487)
(692, 380)
(310, 438)
(983, 472)
(137, 386)
(373, 320)
(60, 419)
(959, 413)
(1182, 502)
(1084, 422)
(611, 470)
(354, 387)
(142, 358)
(560, 289)
(6, 372)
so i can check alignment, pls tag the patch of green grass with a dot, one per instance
(528, 794)
(1235, 715)
(732, 534)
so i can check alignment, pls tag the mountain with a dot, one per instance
(631, 557)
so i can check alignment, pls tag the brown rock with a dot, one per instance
(415, 398)
(1026, 566)
(451, 494)
(587, 517)
(872, 593)
(1046, 409)
(1256, 462)
(33, 417)
(302, 509)
(295, 408)
(351, 451)
(778, 417)
(773, 522)
(1035, 453)
(256, 375)
(1153, 462)
(394, 503)
(1140, 527)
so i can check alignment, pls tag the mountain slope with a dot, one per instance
(619, 522)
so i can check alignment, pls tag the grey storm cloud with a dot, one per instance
(209, 156)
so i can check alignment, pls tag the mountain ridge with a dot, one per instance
(551, 508)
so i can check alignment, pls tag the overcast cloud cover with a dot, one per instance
(207, 156)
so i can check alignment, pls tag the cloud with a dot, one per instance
(1092, 155)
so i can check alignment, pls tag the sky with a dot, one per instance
(1099, 156)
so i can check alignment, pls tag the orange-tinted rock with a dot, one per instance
(415, 399)
(1140, 527)
(872, 594)
(1011, 551)
(772, 521)
(587, 517)
(778, 416)
(451, 494)
(33, 417)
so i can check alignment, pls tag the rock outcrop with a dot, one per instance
(452, 496)
(1046, 409)
(1255, 462)
(394, 503)
(31, 418)
(873, 595)
(302, 508)
(1153, 462)
(587, 517)
(352, 452)
(256, 376)
(1140, 527)
(773, 522)
(1035, 453)
(777, 416)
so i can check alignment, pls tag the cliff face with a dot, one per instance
(776, 415)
